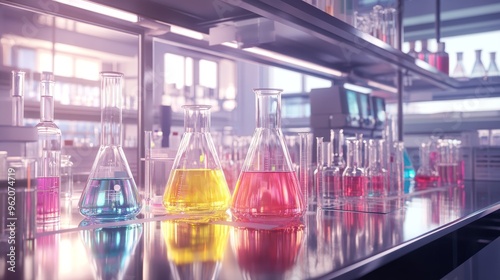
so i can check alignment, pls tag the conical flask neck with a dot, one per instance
(111, 108)
(268, 104)
(197, 118)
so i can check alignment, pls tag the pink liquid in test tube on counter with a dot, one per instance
(377, 184)
(48, 199)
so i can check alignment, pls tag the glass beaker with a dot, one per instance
(267, 189)
(354, 178)
(478, 70)
(196, 184)
(110, 192)
(426, 173)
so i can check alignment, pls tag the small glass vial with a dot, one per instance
(493, 68)
(66, 177)
(424, 52)
(354, 183)
(478, 70)
(377, 174)
(412, 52)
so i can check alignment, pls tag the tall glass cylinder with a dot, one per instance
(337, 139)
(110, 192)
(49, 155)
(354, 181)
(305, 166)
(197, 184)
(330, 189)
(320, 162)
(17, 93)
(268, 189)
(377, 174)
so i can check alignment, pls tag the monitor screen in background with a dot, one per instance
(352, 102)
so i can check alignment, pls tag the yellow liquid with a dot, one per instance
(196, 191)
(187, 243)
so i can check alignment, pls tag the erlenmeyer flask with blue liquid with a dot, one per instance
(111, 192)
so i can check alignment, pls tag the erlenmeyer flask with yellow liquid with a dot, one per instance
(197, 184)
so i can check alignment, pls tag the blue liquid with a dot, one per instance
(110, 198)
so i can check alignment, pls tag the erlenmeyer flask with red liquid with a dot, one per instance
(267, 190)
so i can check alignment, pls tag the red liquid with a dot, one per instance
(447, 173)
(426, 179)
(354, 186)
(267, 197)
(378, 186)
(47, 204)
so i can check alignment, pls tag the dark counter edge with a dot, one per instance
(376, 261)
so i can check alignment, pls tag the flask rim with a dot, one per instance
(267, 91)
(197, 106)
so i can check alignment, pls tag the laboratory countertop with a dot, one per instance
(328, 244)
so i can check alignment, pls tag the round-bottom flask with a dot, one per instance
(197, 184)
(111, 192)
(267, 190)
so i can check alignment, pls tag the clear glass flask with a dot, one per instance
(17, 93)
(478, 70)
(377, 175)
(493, 68)
(330, 188)
(196, 184)
(110, 192)
(267, 189)
(354, 183)
(459, 70)
(426, 173)
(49, 155)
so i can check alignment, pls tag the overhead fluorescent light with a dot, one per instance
(186, 32)
(295, 61)
(382, 86)
(100, 9)
(230, 44)
(357, 88)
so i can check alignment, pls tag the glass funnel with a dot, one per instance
(197, 184)
(111, 192)
(267, 189)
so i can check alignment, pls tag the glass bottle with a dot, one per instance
(197, 184)
(267, 189)
(426, 174)
(17, 93)
(354, 183)
(441, 59)
(459, 71)
(330, 190)
(492, 68)
(376, 173)
(424, 52)
(49, 154)
(478, 70)
(110, 192)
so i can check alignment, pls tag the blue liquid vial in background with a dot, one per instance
(409, 170)
(110, 192)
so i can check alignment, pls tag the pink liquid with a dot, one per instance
(447, 173)
(426, 179)
(47, 204)
(267, 197)
(354, 186)
(377, 184)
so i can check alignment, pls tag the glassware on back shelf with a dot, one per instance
(440, 59)
(197, 184)
(493, 68)
(459, 71)
(426, 173)
(478, 70)
(49, 155)
(110, 192)
(354, 183)
(268, 189)
(17, 93)
(412, 52)
(424, 52)
(377, 175)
